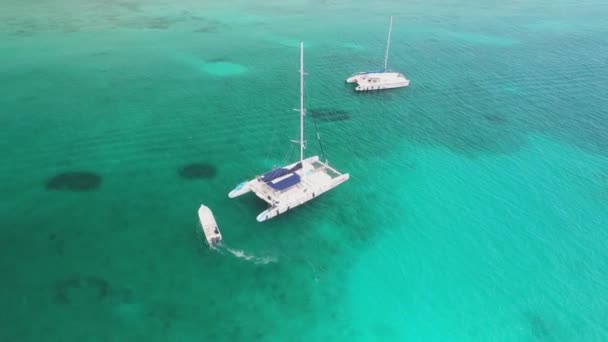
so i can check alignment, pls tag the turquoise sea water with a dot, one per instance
(477, 204)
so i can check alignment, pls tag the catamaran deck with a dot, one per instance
(209, 226)
(316, 177)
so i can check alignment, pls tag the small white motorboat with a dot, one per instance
(209, 226)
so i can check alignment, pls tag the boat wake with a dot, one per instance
(255, 259)
(222, 248)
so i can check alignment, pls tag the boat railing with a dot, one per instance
(337, 173)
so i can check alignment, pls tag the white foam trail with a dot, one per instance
(237, 253)
(257, 260)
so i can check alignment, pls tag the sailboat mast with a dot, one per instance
(301, 102)
(388, 42)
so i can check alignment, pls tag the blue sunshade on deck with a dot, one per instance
(286, 182)
(276, 173)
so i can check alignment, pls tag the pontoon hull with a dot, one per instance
(240, 190)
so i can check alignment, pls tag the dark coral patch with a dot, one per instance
(197, 171)
(77, 289)
(207, 29)
(329, 114)
(538, 325)
(74, 181)
(495, 118)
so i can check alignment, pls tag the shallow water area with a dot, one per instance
(476, 204)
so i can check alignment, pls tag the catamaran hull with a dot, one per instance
(305, 197)
(382, 86)
(240, 190)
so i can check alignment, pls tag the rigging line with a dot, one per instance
(319, 137)
(287, 155)
(272, 138)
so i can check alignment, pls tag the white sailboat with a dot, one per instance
(381, 79)
(297, 183)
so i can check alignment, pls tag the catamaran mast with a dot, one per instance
(388, 42)
(302, 103)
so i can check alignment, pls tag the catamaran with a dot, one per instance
(297, 183)
(381, 79)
